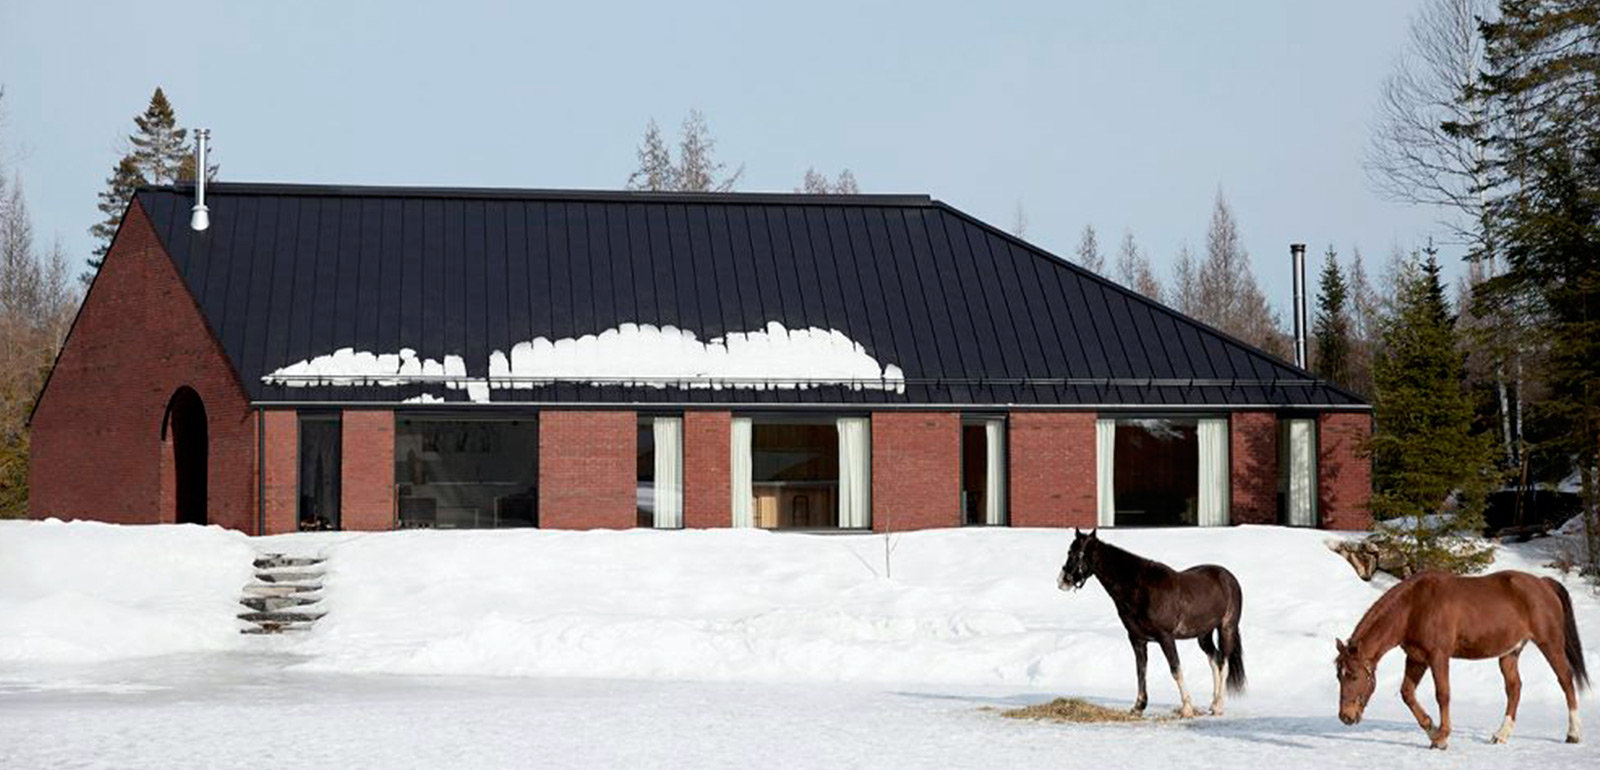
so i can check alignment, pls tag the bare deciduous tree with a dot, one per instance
(1089, 252)
(1185, 293)
(1229, 297)
(1133, 268)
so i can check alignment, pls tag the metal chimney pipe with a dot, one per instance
(1297, 252)
(200, 216)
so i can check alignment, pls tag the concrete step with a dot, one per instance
(280, 589)
(275, 603)
(279, 561)
(280, 616)
(288, 577)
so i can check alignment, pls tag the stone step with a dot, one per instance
(280, 616)
(280, 589)
(275, 603)
(279, 561)
(288, 577)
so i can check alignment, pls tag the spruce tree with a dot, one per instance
(1431, 473)
(1332, 326)
(159, 146)
(125, 179)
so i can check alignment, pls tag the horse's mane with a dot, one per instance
(1122, 559)
(1381, 609)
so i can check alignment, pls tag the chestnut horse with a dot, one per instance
(1436, 616)
(1160, 604)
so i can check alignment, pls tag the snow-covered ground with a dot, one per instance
(693, 649)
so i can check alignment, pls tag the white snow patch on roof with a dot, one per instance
(628, 355)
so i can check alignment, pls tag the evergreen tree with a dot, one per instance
(159, 146)
(656, 172)
(1332, 325)
(1543, 81)
(125, 179)
(1089, 252)
(1431, 473)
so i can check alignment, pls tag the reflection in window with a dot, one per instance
(454, 473)
(320, 470)
(803, 473)
(660, 472)
(1162, 472)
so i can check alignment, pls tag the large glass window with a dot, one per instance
(1162, 471)
(660, 471)
(983, 492)
(465, 473)
(320, 470)
(1297, 472)
(803, 473)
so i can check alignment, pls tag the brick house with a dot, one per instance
(377, 358)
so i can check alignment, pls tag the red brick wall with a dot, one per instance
(588, 470)
(707, 497)
(1344, 472)
(280, 470)
(1052, 469)
(916, 470)
(1253, 453)
(366, 447)
(97, 450)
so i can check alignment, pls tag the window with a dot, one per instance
(466, 473)
(660, 490)
(802, 473)
(320, 470)
(983, 490)
(1162, 471)
(1297, 472)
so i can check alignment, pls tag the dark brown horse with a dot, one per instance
(1159, 604)
(1436, 616)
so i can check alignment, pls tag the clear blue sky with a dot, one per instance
(1120, 114)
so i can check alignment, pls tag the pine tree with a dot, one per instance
(125, 179)
(159, 146)
(656, 172)
(1431, 473)
(1332, 325)
(1089, 252)
(1543, 79)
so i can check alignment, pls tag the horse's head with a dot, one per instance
(1080, 561)
(1357, 679)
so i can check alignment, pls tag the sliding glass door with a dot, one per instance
(467, 473)
(660, 489)
(1297, 472)
(320, 470)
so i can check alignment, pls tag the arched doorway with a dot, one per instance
(185, 427)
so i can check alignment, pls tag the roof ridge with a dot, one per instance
(899, 200)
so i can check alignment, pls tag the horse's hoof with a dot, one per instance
(1573, 739)
(1496, 739)
(1187, 712)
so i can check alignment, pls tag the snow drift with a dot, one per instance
(85, 591)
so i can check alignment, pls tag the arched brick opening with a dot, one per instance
(186, 431)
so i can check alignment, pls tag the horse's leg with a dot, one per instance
(1170, 649)
(1415, 668)
(1508, 669)
(1440, 668)
(1141, 657)
(1556, 655)
(1217, 661)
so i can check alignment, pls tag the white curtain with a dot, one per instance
(994, 504)
(1214, 473)
(739, 473)
(1302, 473)
(855, 472)
(1105, 441)
(668, 433)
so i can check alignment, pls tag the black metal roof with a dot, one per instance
(970, 314)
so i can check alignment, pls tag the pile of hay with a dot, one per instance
(1071, 710)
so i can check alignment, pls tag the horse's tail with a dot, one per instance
(1235, 644)
(1570, 642)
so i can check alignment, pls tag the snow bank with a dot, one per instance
(969, 607)
(630, 354)
(85, 591)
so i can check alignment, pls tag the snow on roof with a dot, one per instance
(629, 355)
